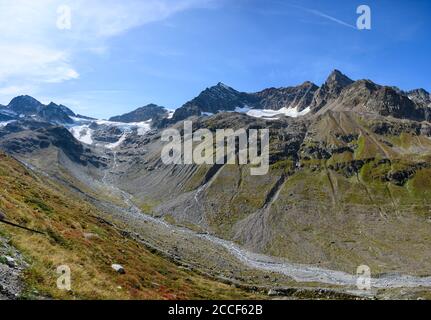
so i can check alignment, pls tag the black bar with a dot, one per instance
(280, 309)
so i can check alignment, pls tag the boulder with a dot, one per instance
(9, 261)
(118, 268)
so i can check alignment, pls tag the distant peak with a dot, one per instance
(150, 107)
(148, 112)
(336, 71)
(338, 78)
(337, 74)
(24, 100)
(419, 90)
(308, 84)
(224, 86)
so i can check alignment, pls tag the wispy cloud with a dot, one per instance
(107, 18)
(331, 18)
(312, 11)
(34, 52)
(34, 63)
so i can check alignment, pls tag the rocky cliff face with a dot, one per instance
(420, 96)
(299, 97)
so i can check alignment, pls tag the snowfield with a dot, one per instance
(118, 143)
(272, 114)
(82, 132)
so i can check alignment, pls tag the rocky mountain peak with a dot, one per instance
(24, 99)
(25, 105)
(28, 107)
(62, 108)
(220, 89)
(145, 113)
(221, 85)
(422, 99)
(308, 84)
(420, 91)
(215, 99)
(420, 96)
(55, 113)
(298, 97)
(338, 79)
(330, 90)
(52, 105)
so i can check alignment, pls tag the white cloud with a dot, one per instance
(34, 52)
(34, 63)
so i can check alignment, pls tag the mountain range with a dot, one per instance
(338, 93)
(349, 180)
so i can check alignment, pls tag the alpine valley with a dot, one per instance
(349, 185)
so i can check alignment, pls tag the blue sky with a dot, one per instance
(119, 55)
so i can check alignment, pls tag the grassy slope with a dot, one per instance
(76, 237)
(342, 221)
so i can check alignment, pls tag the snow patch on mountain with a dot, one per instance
(84, 130)
(82, 133)
(272, 114)
(8, 112)
(5, 123)
(118, 143)
(144, 127)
